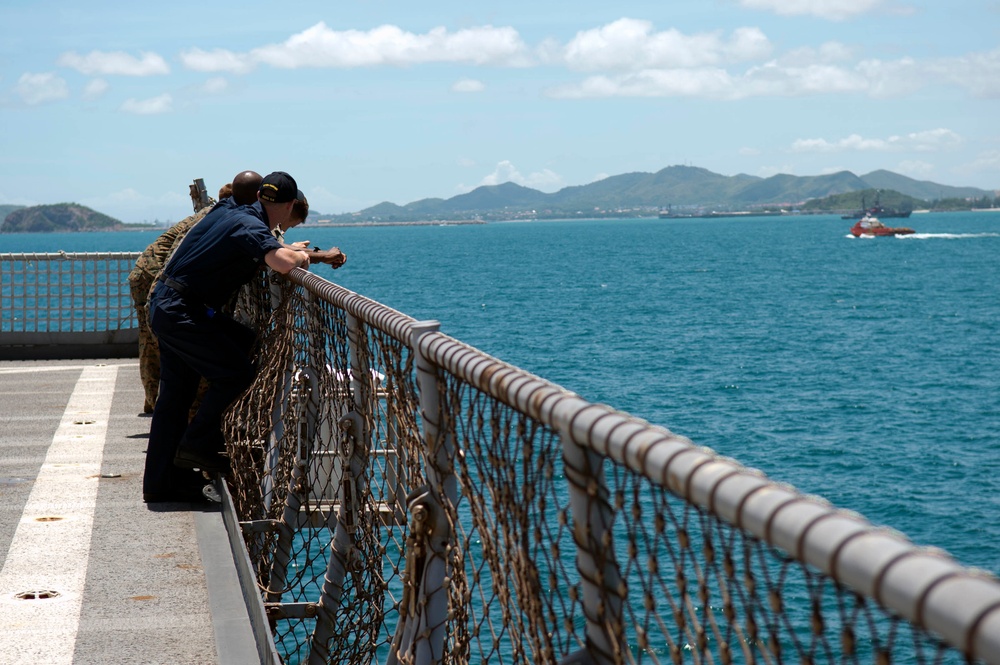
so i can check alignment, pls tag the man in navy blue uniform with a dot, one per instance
(218, 256)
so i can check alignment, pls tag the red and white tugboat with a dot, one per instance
(869, 225)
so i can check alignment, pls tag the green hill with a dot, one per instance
(678, 187)
(58, 217)
(919, 189)
(6, 209)
(863, 200)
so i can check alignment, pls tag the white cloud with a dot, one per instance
(986, 162)
(834, 10)
(127, 195)
(215, 85)
(466, 162)
(894, 78)
(709, 83)
(322, 201)
(979, 73)
(130, 205)
(505, 171)
(632, 45)
(799, 73)
(915, 168)
(153, 106)
(927, 141)
(216, 60)
(320, 46)
(114, 63)
(825, 53)
(625, 58)
(95, 88)
(468, 85)
(773, 79)
(39, 88)
(17, 201)
(628, 58)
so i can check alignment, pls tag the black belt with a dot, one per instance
(174, 284)
(185, 293)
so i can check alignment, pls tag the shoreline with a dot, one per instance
(432, 222)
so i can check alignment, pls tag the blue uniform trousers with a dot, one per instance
(194, 343)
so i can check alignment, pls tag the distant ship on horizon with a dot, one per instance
(877, 211)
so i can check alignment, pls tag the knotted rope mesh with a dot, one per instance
(359, 507)
(307, 470)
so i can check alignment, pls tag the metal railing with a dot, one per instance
(67, 305)
(401, 497)
(406, 498)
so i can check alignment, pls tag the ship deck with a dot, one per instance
(91, 574)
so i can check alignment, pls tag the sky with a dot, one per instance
(120, 105)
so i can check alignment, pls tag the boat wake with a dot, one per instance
(948, 236)
(929, 236)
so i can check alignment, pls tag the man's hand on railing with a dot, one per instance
(332, 257)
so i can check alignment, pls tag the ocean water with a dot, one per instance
(866, 371)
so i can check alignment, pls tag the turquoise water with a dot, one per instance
(863, 370)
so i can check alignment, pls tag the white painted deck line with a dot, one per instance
(34, 369)
(53, 554)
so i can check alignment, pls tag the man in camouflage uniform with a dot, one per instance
(141, 280)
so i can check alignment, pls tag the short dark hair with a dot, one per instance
(300, 209)
(245, 186)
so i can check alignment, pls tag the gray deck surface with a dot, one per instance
(158, 581)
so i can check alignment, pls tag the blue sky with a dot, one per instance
(119, 105)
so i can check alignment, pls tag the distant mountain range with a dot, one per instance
(626, 195)
(672, 187)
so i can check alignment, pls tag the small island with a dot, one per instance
(59, 217)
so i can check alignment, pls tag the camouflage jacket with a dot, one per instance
(152, 260)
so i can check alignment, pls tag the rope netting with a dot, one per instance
(697, 590)
(326, 443)
(406, 501)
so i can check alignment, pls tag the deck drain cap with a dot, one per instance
(40, 594)
(10, 480)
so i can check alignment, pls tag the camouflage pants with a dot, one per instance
(149, 350)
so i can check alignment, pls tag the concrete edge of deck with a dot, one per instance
(234, 635)
(150, 583)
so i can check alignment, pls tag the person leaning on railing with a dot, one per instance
(140, 281)
(243, 191)
(197, 339)
(300, 211)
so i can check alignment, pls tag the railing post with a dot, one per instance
(351, 494)
(306, 395)
(423, 612)
(301, 385)
(602, 585)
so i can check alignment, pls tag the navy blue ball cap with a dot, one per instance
(278, 187)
